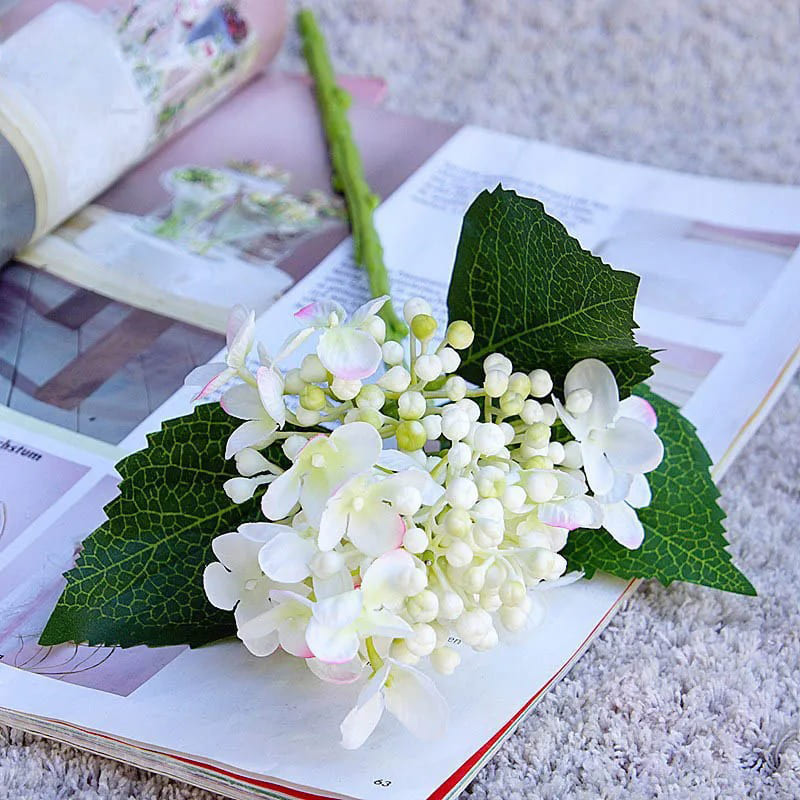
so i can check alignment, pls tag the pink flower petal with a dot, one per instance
(622, 522)
(348, 353)
(638, 408)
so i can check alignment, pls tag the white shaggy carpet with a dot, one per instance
(688, 693)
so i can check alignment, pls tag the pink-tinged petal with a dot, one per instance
(236, 321)
(359, 724)
(270, 390)
(413, 698)
(360, 445)
(632, 446)
(621, 521)
(386, 581)
(318, 314)
(282, 495)
(367, 310)
(261, 645)
(293, 341)
(332, 525)
(284, 558)
(384, 623)
(576, 512)
(577, 426)
(204, 374)
(639, 495)
(242, 401)
(348, 353)
(256, 433)
(292, 635)
(222, 588)
(595, 376)
(237, 553)
(599, 472)
(332, 645)
(619, 491)
(213, 383)
(376, 530)
(339, 611)
(635, 407)
(242, 342)
(340, 674)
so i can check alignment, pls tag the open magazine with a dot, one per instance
(102, 319)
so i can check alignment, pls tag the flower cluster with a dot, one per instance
(414, 511)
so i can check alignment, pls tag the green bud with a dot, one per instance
(423, 326)
(511, 403)
(371, 417)
(411, 435)
(538, 435)
(460, 334)
(312, 398)
(539, 462)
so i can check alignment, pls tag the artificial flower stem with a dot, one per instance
(347, 168)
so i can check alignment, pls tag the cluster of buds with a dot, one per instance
(417, 512)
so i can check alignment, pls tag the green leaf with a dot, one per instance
(533, 294)
(684, 532)
(139, 578)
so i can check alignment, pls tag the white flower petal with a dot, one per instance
(577, 426)
(261, 646)
(360, 445)
(285, 557)
(639, 495)
(204, 374)
(421, 480)
(242, 342)
(282, 495)
(339, 583)
(349, 353)
(622, 522)
(635, 407)
(332, 524)
(385, 623)
(599, 472)
(376, 530)
(214, 382)
(332, 645)
(575, 512)
(270, 390)
(620, 489)
(236, 321)
(632, 447)
(318, 314)
(367, 310)
(339, 611)
(261, 532)
(595, 376)
(242, 401)
(237, 553)
(414, 699)
(341, 674)
(386, 581)
(293, 341)
(221, 587)
(292, 635)
(256, 433)
(362, 720)
(396, 460)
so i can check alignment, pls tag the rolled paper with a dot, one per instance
(87, 90)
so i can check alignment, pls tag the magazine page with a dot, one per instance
(240, 735)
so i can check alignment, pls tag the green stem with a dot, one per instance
(347, 169)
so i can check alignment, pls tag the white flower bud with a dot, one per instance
(433, 426)
(411, 405)
(497, 361)
(474, 578)
(519, 383)
(450, 359)
(490, 508)
(417, 582)
(461, 493)
(293, 383)
(531, 412)
(491, 481)
(423, 639)
(490, 601)
(451, 606)
(541, 383)
(489, 438)
(393, 353)
(326, 564)
(445, 660)
(250, 462)
(407, 500)
(293, 445)
(376, 328)
(460, 335)
(541, 486)
(399, 652)
(514, 498)
(546, 564)
(508, 432)
(488, 533)
(423, 607)
(455, 388)
(306, 418)
(396, 379)
(555, 452)
(371, 396)
(495, 576)
(460, 455)
(458, 553)
(428, 367)
(549, 414)
(414, 306)
(513, 619)
(472, 626)
(573, 456)
(470, 408)
(513, 593)
(579, 401)
(511, 403)
(345, 390)
(415, 540)
(455, 424)
(496, 383)
(312, 369)
(538, 435)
